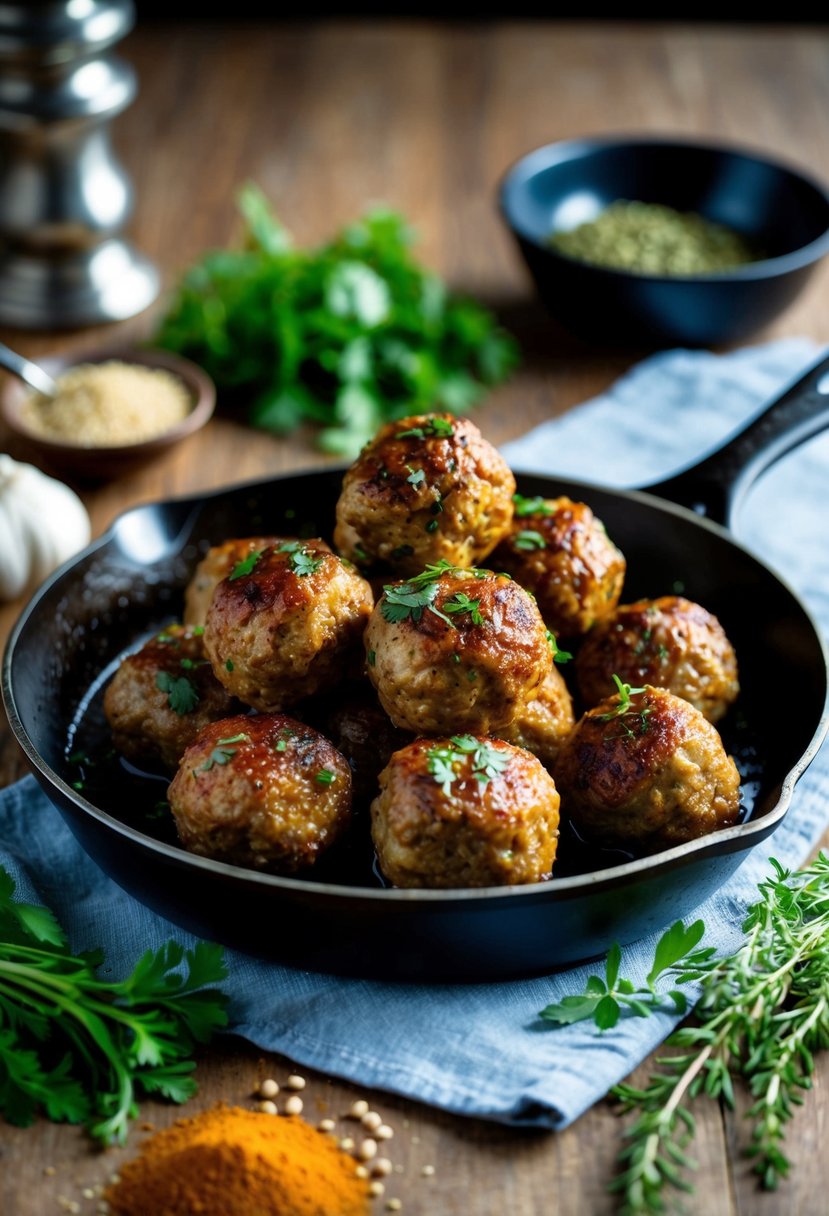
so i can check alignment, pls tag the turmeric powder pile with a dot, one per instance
(228, 1161)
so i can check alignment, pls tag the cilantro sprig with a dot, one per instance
(246, 565)
(182, 694)
(222, 753)
(536, 505)
(344, 336)
(529, 541)
(435, 428)
(301, 558)
(460, 604)
(445, 760)
(81, 1048)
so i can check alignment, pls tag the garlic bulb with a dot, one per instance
(42, 524)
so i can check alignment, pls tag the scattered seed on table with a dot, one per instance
(327, 1125)
(361, 1171)
(295, 1081)
(376, 1188)
(428, 1171)
(394, 1205)
(347, 1144)
(367, 1149)
(269, 1088)
(293, 1105)
(371, 1120)
(268, 1108)
(358, 1108)
(381, 1167)
(384, 1132)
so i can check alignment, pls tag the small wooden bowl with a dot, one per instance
(106, 463)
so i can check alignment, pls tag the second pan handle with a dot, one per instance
(717, 485)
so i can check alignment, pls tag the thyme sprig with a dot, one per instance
(762, 1014)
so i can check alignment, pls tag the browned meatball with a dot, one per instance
(425, 488)
(161, 696)
(465, 811)
(286, 624)
(456, 650)
(262, 791)
(219, 561)
(670, 642)
(542, 725)
(560, 552)
(645, 771)
(360, 728)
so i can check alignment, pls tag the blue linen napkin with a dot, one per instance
(480, 1050)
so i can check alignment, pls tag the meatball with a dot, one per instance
(218, 563)
(161, 696)
(426, 488)
(670, 642)
(542, 725)
(465, 811)
(262, 791)
(644, 770)
(560, 552)
(456, 650)
(360, 728)
(286, 624)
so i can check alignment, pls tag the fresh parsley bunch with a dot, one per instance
(80, 1047)
(346, 336)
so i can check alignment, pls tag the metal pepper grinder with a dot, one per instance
(64, 198)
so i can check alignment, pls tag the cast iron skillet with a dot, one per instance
(129, 583)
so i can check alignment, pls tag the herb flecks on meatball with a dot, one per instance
(284, 624)
(162, 695)
(263, 791)
(644, 770)
(456, 650)
(465, 811)
(426, 488)
(561, 552)
(670, 642)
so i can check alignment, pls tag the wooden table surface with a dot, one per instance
(327, 118)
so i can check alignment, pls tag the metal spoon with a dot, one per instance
(30, 373)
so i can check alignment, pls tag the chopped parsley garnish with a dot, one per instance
(197, 631)
(302, 560)
(325, 776)
(191, 664)
(372, 657)
(409, 599)
(245, 566)
(435, 428)
(416, 476)
(229, 664)
(559, 656)
(432, 525)
(402, 551)
(182, 696)
(461, 604)
(528, 541)
(531, 506)
(222, 753)
(486, 761)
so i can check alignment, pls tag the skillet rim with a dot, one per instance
(739, 838)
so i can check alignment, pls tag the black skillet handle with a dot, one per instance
(717, 485)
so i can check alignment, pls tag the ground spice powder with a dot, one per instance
(108, 404)
(228, 1161)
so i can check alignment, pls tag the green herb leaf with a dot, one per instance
(447, 762)
(222, 753)
(529, 541)
(81, 1048)
(344, 336)
(324, 776)
(245, 566)
(461, 604)
(531, 506)
(438, 428)
(182, 694)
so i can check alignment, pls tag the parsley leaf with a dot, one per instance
(345, 336)
(245, 566)
(529, 541)
(559, 656)
(531, 506)
(461, 604)
(443, 760)
(438, 428)
(222, 753)
(302, 559)
(182, 695)
(80, 1047)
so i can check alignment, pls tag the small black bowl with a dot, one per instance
(777, 208)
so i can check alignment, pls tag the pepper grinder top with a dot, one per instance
(64, 198)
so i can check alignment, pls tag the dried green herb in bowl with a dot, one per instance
(651, 238)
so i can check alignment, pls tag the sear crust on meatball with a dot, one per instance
(262, 791)
(542, 725)
(287, 627)
(646, 771)
(161, 696)
(467, 660)
(465, 812)
(670, 642)
(425, 488)
(560, 552)
(218, 563)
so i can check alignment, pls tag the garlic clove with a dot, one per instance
(42, 524)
